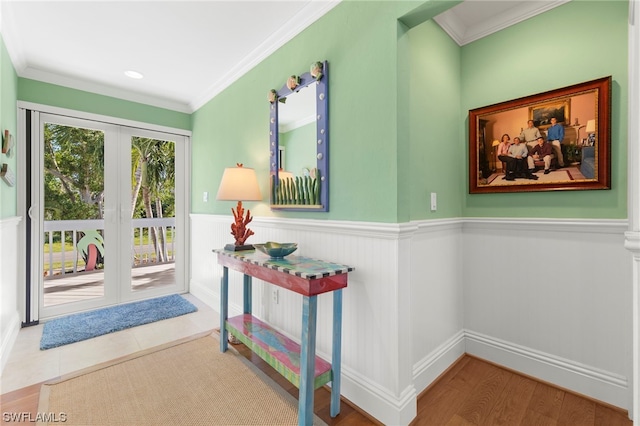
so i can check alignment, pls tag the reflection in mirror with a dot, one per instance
(299, 142)
(297, 132)
(549, 141)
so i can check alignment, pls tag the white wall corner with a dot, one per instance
(211, 298)
(9, 312)
(632, 243)
(428, 369)
(379, 402)
(205, 293)
(632, 240)
(9, 336)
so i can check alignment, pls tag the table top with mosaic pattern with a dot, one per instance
(300, 266)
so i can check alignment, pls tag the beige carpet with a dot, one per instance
(189, 382)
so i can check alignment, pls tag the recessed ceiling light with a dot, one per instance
(133, 74)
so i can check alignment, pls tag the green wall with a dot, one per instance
(359, 40)
(576, 42)
(435, 132)
(8, 121)
(398, 110)
(399, 101)
(300, 148)
(64, 97)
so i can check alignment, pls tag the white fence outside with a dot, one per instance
(142, 253)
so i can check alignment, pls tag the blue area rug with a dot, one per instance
(78, 327)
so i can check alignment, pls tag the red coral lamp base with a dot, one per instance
(239, 229)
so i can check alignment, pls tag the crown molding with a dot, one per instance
(313, 11)
(462, 35)
(101, 89)
(11, 41)
(305, 17)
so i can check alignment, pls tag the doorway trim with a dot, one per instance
(29, 300)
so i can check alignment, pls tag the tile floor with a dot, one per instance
(28, 365)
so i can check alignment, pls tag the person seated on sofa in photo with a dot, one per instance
(505, 143)
(555, 135)
(516, 161)
(503, 148)
(543, 150)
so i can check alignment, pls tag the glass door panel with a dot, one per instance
(155, 213)
(108, 223)
(72, 199)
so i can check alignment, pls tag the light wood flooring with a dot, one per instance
(476, 392)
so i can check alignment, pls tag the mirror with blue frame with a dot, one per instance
(299, 142)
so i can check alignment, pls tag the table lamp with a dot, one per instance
(239, 184)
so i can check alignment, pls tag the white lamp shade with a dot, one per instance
(239, 184)
(591, 126)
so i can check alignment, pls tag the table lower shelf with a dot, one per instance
(277, 350)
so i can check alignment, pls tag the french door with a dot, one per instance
(107, 213)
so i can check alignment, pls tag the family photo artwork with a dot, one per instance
(550, 141)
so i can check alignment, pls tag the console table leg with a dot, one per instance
(336, 353)
(224, 306)
(247, 294)
(307, 360)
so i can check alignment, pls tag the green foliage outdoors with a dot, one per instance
(74, 180)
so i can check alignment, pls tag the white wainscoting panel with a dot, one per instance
(375, 376)
(558, 289)
(436, 298)
(9, 313)
(632, 243)
(549, 298)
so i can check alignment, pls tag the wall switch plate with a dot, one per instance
(434, 202)
(205, 196)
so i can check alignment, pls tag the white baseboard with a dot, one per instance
(9, 339)
(583, 379)
(205, 294)
(433, 365)
(379, 403)
(211, 298)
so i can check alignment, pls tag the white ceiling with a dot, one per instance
(188, 51)
(473, 19)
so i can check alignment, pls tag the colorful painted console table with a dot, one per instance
(297, 363)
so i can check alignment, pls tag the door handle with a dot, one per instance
(30, 211)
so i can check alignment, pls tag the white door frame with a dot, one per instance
(181, 205)
(110, 124)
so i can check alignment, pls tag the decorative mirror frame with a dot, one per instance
(295, 195)
(559, 101)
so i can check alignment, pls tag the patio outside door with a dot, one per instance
(109, 226)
